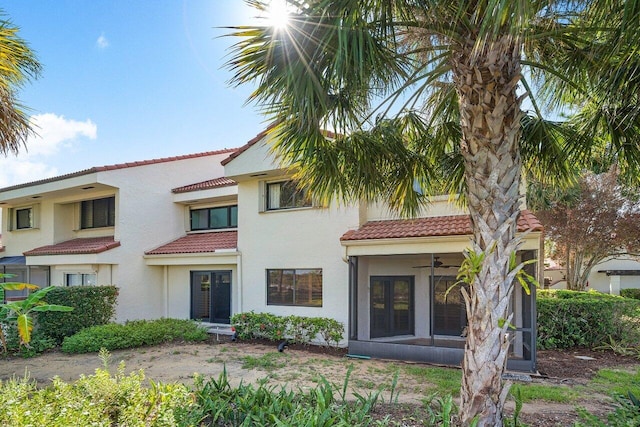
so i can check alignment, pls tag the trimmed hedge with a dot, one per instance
(295, 329)
(630, 293)
(134, 333)
(569, 319)
(92, 305)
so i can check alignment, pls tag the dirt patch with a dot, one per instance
(303, 367)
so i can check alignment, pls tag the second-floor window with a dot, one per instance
(214, 218)
(286, 195)
(24, 218)
(98, 213)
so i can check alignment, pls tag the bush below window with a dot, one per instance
(133, 334)
(295, 329)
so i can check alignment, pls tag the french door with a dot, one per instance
(392, 306)
(450, 315)
(211, 296)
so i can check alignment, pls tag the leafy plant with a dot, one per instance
(295, 329)
(218, 403)
(94, 305)
(133, 334)
(626, 413)
(101, 399)
(633, 293)
(569, 319)
(20, 312)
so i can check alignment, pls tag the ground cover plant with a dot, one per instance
(133, 334)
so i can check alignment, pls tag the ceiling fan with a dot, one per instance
(436, 264)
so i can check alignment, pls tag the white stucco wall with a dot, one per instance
(293, 238)
(146, 217)
(600, 281)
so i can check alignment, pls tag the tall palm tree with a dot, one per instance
(18, 65)
(430, 92)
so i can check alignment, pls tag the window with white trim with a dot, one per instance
(294, 287)
(286, 195)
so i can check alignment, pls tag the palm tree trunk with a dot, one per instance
(490, 119)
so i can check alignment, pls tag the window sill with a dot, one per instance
(213, 230)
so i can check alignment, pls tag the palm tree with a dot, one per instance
(430, 92)
(18, 65)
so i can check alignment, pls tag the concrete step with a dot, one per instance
(219, 328)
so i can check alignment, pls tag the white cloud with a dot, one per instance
(102, 42)
(16, 171)
(53, 131)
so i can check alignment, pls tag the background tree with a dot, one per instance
(448, 81)
(590, 222)
(18, 65)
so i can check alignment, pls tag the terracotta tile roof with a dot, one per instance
(454, 225)
(205, 185)
(119, 166)
(198, 243)
(89, 245)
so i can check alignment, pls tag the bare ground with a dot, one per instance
(303, 367)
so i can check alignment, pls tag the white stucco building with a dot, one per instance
(208, 235)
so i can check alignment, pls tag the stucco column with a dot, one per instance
(614, 285)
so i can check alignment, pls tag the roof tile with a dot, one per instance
(206, 185)
(89, 245)
(119, 166)
(454, 225)
(198, 243)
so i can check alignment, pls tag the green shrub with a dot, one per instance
(585, 319)
(38, 344)
(93, 305)
(133, 334)
(96, 400)
(630, 293)
(296, 329)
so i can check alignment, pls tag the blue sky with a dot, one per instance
(128, 80)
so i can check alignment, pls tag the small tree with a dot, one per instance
(594, 220)
(20, 312)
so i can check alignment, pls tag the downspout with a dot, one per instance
(239, 279)
(165, 290)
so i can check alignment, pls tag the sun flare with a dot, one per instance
(278, 14)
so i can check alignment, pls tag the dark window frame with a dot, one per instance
(299, 198)
(295, 289)
(84, 278)
(95, 221)
(20, 226)
(229, 223)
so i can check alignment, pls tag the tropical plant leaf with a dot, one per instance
(25, 326)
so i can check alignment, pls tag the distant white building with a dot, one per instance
(208, 235)
(610, 276)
